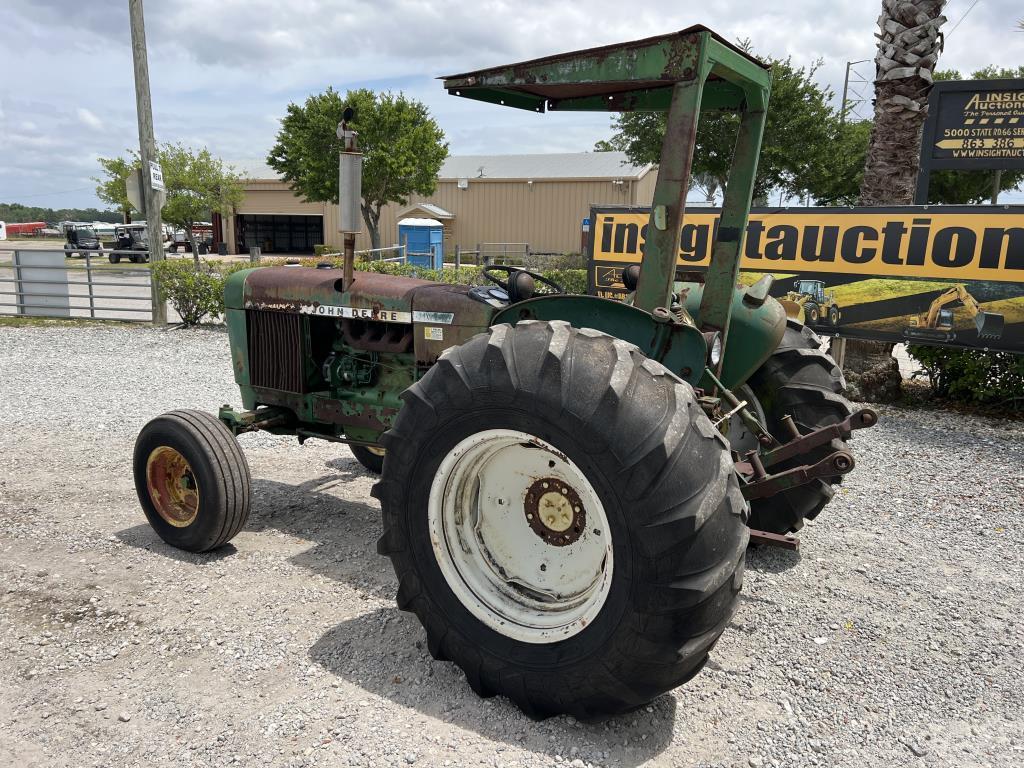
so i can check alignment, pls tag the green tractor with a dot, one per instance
(566, 481)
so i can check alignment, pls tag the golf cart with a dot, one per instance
(80, 238)
(133, 238)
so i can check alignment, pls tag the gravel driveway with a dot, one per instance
(893, 639)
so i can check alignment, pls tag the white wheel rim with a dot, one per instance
(530, 580)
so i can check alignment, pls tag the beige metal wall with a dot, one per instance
(547, 214)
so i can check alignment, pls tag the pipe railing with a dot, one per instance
(26, 289)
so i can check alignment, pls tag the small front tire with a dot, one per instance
(192, 480)
(371, 457)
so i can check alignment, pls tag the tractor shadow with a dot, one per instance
(383, 651)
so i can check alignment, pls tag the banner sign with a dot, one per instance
(939, 275)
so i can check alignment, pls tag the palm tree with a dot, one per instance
(909, 43)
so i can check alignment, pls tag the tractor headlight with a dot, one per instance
(714, 341)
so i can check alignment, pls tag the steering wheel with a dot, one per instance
(518, 283)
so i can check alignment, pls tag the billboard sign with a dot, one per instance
(972, 125)
(940, 274)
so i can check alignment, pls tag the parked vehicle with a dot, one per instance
(79, 239)
(131, 237)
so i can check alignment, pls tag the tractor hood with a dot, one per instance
(372, 296)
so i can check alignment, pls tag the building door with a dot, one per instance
(279, 233)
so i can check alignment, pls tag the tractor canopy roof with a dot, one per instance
(632, 76)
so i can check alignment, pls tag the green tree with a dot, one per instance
(16, 212)
(198, 184)
(403, 149)
(800, 139)
(111, 187)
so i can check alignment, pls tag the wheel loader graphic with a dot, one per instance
(810, 300)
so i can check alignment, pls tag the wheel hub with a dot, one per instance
(520, 536)
(554, 511)
(172, 486)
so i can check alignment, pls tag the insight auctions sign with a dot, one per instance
(888, 270)
(972, 125)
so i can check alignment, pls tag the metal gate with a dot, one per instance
(44, 283)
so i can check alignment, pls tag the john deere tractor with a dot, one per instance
(566, 481)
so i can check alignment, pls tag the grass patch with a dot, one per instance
(30, 321)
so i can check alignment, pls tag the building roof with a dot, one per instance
(566, 165)
(434, 210)
(416, 222)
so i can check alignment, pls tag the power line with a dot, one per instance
(61, 192)
(947, 34)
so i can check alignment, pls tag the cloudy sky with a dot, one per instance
(223, 72)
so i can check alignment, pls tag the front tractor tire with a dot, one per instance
(563, 519)
(192, 480)
(802, 381)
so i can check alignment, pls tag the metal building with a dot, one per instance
(541, 200)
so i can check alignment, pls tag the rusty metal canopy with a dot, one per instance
(636, 75)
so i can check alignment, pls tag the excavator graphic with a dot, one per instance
(937, 323)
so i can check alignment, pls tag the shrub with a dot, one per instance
(193, 294)
(573, 280)
(196, 295)
(972, 376)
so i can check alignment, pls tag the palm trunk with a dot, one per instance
(909, 43)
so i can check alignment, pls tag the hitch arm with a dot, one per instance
(838, 463)
(861, 419)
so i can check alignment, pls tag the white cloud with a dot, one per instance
(89, 119)
(224, 72)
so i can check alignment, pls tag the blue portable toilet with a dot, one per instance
(425, 240)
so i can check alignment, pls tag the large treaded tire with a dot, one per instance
(221, 474)
(800, 380)
(662, 472)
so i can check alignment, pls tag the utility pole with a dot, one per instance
(997, 185)
(147, 151)
(846, 89)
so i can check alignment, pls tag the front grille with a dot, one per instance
(275, 350)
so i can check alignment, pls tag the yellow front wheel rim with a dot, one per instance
(172, 486)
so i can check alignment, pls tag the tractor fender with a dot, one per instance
(684, 351)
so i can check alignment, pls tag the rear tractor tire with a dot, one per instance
(802, 381)
(192, 480)
(372, 458)
(563, 519)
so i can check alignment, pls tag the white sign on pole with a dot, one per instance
(156, 176)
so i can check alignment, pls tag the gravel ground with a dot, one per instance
(893, 639)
